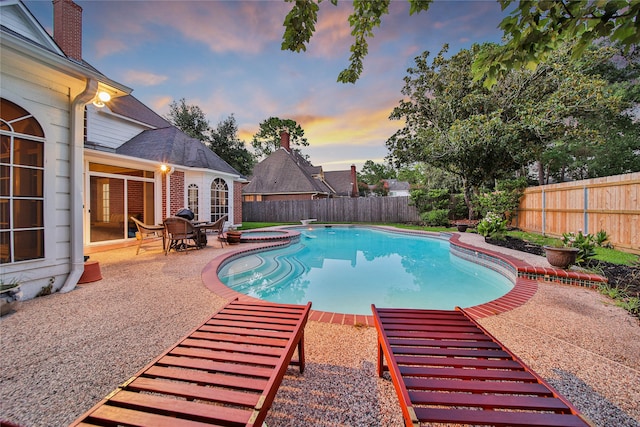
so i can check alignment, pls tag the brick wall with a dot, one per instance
(237, 202)
(177, 192)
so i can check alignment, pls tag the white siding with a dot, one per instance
(45, 94)
(108, 130)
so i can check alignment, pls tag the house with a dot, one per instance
(396, 188)
(286, 175)
(80, 156)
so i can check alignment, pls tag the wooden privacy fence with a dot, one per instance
(358, 209)
(611, 204)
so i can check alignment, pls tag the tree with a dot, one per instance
(267, 139)
(454, 122)
(372, 173)
(190, 119)
(534, 29)
(226, 144)
(449, 123)
(223, 140)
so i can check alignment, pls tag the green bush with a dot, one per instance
(584, 242)
(436, 217)
(493, 226)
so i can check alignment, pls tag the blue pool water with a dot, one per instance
(346, 269)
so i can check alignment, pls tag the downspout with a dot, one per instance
(76, 185)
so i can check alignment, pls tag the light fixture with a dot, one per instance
(166, 169)
(101, 98)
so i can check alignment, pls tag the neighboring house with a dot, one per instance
(286, 175)
(396, 188)
(390, 188)
(75, 167)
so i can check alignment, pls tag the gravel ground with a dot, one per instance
(64, 352)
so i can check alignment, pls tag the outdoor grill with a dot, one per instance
(186, 214)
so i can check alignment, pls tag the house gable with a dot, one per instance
(280, 173)
(15, 17)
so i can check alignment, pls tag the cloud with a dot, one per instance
(143, 78)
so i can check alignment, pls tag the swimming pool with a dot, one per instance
(346, 269)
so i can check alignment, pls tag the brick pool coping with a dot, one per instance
(524, 275)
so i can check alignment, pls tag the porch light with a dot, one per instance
(166, 169)
(101, 98)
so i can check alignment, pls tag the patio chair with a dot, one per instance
(446, 368)
(146, 232)
(227, 371)
(179, 232)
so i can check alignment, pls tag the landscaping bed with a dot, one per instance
(624, 278)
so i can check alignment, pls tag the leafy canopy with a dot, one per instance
(267, 139)
(533, 30)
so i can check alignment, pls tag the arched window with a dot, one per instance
(192, 200)
(21, 185)
(219, 199)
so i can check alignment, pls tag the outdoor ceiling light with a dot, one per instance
(101, 98)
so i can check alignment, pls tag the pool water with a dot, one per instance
(346, 269)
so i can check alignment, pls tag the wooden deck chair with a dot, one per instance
(225, 372)
(179, 232)
(146, 232)
(446, 368)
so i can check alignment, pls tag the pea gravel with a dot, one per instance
(60, 354)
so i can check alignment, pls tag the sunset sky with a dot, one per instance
(225, 57)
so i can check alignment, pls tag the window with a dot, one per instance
(219, 199)
(21, 185)
(192, 200)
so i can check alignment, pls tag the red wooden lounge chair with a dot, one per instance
(446, 368)
(226, 372)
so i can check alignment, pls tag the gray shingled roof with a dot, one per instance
(129, 106)
(340, 181)
(280, 173)
(171, 145)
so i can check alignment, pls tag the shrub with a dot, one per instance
(584, 242)
(436, 218)
(493, 226)
(504, 200)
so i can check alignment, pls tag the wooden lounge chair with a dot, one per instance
(225, 372)
(146, 232)
(446, 368)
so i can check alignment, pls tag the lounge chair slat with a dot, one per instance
(463, 374)
(458, 362)
(242, 331)
(444, 343)
(274, 342)
(232, 346)
(229, 377)
(451, 352)
(221, 356)
(181, 408)
(193, 391)
(496, 387)
(442, 363)
(108, 415)
(488, 402)
(211, 366)
(498, 418)
(205, 378)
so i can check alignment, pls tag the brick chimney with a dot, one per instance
(284, 140)
(67, 28)
(354, 181)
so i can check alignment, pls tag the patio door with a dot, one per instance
(115, 195)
